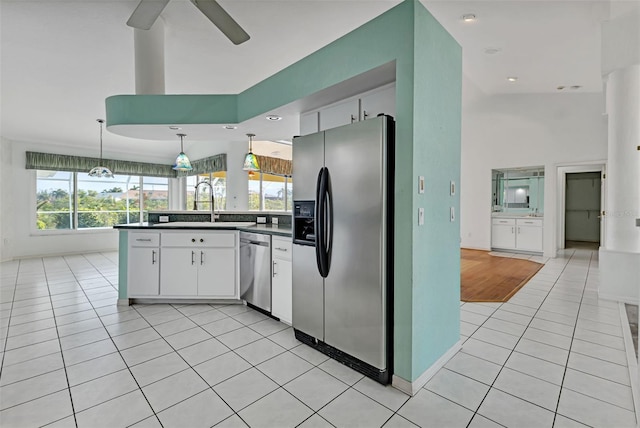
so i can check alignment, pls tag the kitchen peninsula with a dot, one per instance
(185, 261)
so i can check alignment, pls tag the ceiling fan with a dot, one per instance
(148, 11)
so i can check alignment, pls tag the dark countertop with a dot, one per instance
(268, 229)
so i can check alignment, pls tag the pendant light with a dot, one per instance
(100, 171)
(251, 160)
(182, 161)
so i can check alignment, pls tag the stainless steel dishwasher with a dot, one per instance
(255, 269)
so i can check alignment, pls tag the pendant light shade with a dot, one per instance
(100, 171)
(250, 160)
(182, 161)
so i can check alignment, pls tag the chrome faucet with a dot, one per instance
(212, 205)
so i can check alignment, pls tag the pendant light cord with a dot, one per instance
(100, 121)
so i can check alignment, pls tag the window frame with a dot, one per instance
(75, 229)
(287, 182)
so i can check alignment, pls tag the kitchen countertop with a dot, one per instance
(501, 215)
(268, 229)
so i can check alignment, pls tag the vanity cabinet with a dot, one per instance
(281, 278)
(529, 234)
(521, 234)
(199, 264)
(144, 255)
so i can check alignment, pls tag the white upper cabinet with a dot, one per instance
(309, 123)
(339, 114)
(378, 102)
(361, 107)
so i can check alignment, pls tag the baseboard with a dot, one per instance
(412, 388)
(467, 247)
(124, 302)
(632, 361)
(617, 298)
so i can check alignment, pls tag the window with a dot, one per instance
(73, 200)
(268, 192)
(218, 181)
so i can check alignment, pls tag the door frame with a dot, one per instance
(562, 171)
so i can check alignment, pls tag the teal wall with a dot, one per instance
(428, 108)
(123, 263)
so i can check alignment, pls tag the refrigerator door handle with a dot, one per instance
(328, 195)
(319, 222)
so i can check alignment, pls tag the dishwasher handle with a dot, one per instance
(262, 244)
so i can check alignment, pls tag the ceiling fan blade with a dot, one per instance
(146, 13)
(222, 20)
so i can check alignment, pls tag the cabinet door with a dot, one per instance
(340, 114)
(281, 291)
(179, 272)
(217, 272)
(379, 102)
(503, 236)
(309, 123)
(144, 272)
(529, 238)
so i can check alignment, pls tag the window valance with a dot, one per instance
(269, 165)
(54, 162)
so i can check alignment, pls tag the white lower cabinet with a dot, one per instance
(529, 235)
(199, 264)
(143, 276)
(522, 234)
(193, 264)
(281, 280)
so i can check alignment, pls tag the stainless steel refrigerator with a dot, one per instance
(343, 243)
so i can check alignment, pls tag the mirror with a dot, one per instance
(518, 190)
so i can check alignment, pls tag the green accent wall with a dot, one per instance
(428, 118)
(123, 263)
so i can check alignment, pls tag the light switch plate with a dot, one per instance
(420, 216)
(421, 184)
(261, 220)
(163, 219)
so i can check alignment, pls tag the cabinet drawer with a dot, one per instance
(281, 247)
(139, 239)
(198, 238)
(505, 221)
(529, 222)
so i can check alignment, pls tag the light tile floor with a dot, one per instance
(552, 356)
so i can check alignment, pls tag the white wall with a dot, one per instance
(519, 130)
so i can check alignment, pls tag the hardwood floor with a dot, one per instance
(487, 278)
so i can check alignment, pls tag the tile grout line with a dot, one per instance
(513, 350)
(117, 349)
(64, 365)
(566, 366)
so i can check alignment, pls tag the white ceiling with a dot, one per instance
(60, 59)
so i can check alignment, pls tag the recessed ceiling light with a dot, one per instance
(512, 79)
(492, 51)
(560, 88)
(230, 127)
(574, 87)
(274, 117)
(175, 128)
(469, 17)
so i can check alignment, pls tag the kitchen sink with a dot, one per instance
(206, 224)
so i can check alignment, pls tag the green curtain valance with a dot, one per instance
(54, 162)
(269, 165)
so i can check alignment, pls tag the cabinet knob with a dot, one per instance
(193, 239)
(201, 240)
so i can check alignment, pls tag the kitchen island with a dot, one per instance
(183, 262)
